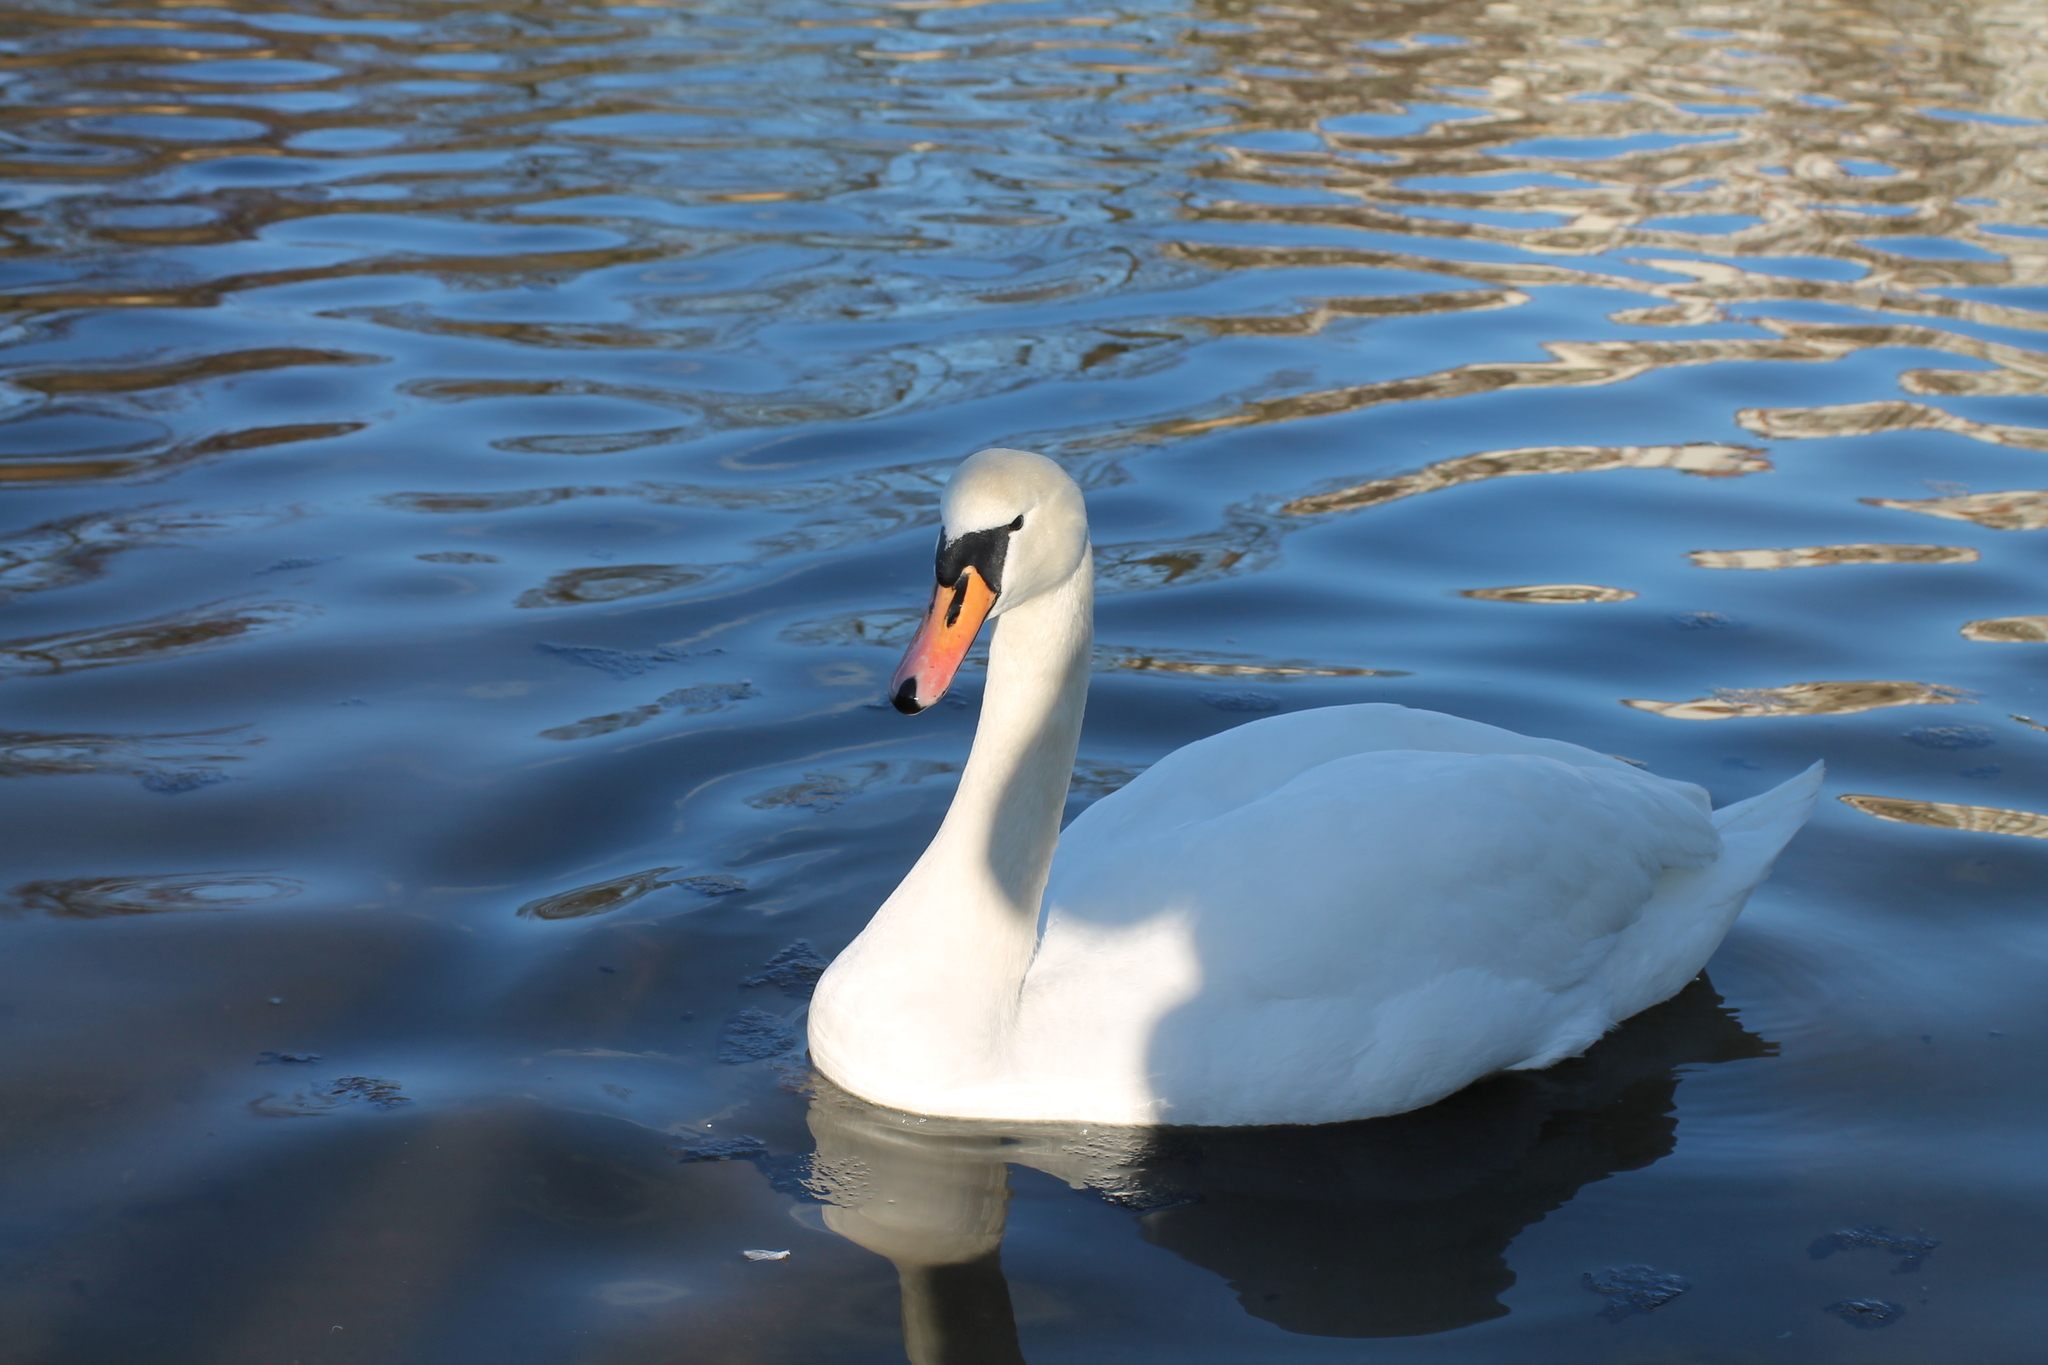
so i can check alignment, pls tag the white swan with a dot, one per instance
(1326, 915)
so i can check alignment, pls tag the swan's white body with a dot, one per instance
(1327, 915)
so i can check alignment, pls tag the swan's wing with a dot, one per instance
(1248, 762)
(1395, 922)
(1368, 861)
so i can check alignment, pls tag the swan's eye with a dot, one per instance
(1016, 525)
(982, 551)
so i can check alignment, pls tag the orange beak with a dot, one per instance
(942, 639)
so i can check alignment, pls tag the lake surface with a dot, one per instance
(469, 472)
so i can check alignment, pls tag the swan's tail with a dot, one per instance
(1694, 908)
(1753, 831)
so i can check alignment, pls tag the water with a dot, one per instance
(470, 467)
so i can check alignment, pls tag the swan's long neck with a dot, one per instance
(999, 835)
(926, 994)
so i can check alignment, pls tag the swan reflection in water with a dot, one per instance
(1382, 1228)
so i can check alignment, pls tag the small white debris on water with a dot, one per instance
(765, 1255)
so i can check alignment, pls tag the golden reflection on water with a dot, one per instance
(1551, 592)
(1870, 419)
(168, 458)
(45, 754)
(2008, 629)
(1947, 815)
(173, 635)
(1707, 459)
(1803, 699)
(100, 897)
(1813, 556)
(1219, 667)
(696, 700)
(2022, 510)
(599, 898)
(77, 549)
(610, 583)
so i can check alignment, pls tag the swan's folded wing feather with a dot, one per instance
(1249, 762)
(1382, 855)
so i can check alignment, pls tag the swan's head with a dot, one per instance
(1015, 528)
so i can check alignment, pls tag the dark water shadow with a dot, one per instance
(1384, 1228)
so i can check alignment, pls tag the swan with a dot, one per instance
(1316, 917)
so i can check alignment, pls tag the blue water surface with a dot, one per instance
(471, 469)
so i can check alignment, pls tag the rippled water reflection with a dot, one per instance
(468, 467)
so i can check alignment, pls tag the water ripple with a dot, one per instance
(542, 354)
